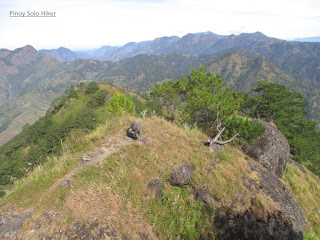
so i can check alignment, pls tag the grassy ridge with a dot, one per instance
(116, 190)
(93, 118)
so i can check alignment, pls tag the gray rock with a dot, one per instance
(50, 214)
(156, 185)
(181, 176)
(216, 148)
(11, 224)
(134, 130)
(271, 149)
(85, 157)
(65, 184)
(286, 223)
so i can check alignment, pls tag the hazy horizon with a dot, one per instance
(90, 24)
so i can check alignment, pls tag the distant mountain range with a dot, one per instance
(309, 39)
(190, 44)
(29, 81)
(299, 58)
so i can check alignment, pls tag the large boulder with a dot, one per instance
(181, 176)
(134, 130)
(271, 149)
(285, 221)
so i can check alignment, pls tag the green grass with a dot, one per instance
(310, 236)
(305, 188)
(31, 187)
(178, 216)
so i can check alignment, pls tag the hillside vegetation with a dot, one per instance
(112, 196)
(75, 174)
(79, 110)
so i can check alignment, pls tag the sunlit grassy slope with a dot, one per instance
(114, 191)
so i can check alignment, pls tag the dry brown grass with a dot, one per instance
(108, 206)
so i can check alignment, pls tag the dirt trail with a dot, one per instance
(108, 147)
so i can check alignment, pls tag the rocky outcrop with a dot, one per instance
(134, 130)
(241, 226)
(181, 176)
(11, 223)
(286, 221)
(271, 149)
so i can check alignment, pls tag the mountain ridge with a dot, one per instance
(142, 71)
(240, 69)
(289, 56)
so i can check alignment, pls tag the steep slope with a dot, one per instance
(109, 195)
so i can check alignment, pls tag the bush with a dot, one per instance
(92, 88)
(98, 99)
(121, 105)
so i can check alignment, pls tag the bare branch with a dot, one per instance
(227, 141)
(217, 136)
(218, 139)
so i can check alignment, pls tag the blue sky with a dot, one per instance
(87, 24)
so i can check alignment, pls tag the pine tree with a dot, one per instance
(273, 102)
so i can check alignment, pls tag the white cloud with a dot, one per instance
(93, 23)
